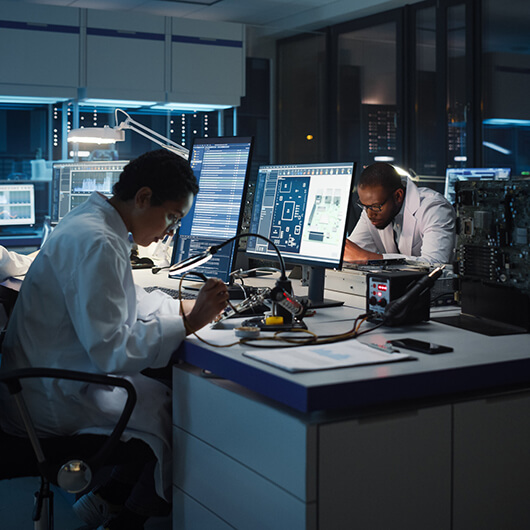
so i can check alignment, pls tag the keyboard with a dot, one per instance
(174, 293)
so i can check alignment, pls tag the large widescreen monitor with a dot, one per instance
(221, 166)
(455, 174)
(17, 203)
(73, 182)
(303, 209)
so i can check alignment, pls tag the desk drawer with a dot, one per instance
(268, 439)
(236, 494)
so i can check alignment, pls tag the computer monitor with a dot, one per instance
(17, 203)
(221, 166)
(303, 209)
(455, 174)
(73, 182)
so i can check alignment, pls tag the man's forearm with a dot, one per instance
(353, 252)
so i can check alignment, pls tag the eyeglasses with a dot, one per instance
(174, 223)
(374, 207)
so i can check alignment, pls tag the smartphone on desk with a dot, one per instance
(420, 345)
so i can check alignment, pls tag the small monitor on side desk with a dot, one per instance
(74, 182)
(303, 209)
(221, 166)
(456, 174)
(17, 206)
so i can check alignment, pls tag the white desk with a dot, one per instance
(437, 443)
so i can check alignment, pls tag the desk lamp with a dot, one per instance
(286, 309)
(110, 135)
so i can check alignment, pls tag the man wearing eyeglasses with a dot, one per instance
(400, 220)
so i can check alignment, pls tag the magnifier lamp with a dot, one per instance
(284, 303)
(110, 135)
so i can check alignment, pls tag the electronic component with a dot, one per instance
(382, 288)
(493, 256)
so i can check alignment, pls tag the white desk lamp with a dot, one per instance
(111, 135)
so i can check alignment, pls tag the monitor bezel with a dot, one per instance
(294, 260)
(221, 139)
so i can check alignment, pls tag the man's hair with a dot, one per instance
(169, 176)
(380, 174)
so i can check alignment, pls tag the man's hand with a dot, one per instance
(353, 252)
(210, 302)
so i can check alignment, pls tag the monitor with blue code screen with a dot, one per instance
(221, 166)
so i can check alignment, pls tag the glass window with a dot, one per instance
(302, 100)
(426, 88)
(506, 69)
(457, 76)
(367, 95)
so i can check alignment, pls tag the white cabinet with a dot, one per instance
(244, 462)
(65, 52)
(125, 56)
(39, 50)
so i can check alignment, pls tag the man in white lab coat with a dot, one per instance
(79, 309)
(400, 220)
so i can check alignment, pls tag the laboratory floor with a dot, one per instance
(16, 506)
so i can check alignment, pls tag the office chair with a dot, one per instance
(66, 461)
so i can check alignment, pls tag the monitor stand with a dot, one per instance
(315, 298)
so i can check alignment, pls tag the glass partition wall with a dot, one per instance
(428, 86)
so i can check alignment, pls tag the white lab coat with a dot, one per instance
(13, 264)
(79, 309)
(428, 233)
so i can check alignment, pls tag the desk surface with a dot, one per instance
(478, 363)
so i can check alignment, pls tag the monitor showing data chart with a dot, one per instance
(73, 182)
(17, 203)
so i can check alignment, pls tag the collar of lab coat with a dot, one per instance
(410, 207)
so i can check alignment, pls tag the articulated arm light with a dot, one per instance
(110, 135)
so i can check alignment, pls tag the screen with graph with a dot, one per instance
(17, 203)
(73, 182)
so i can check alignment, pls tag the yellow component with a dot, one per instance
(273, 321)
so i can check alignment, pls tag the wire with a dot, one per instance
(283, 341)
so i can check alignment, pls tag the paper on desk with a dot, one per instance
(324, 357)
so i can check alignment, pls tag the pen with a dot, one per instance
(387, 347)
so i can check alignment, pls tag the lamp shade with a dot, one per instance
(96, 135)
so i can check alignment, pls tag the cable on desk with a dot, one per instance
(288, 341)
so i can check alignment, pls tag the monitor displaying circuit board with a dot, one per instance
(303, 209)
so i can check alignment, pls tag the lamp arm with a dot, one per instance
(155, 137)
(214, 248)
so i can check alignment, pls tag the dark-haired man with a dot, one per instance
(78, 308)
(400, 220)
